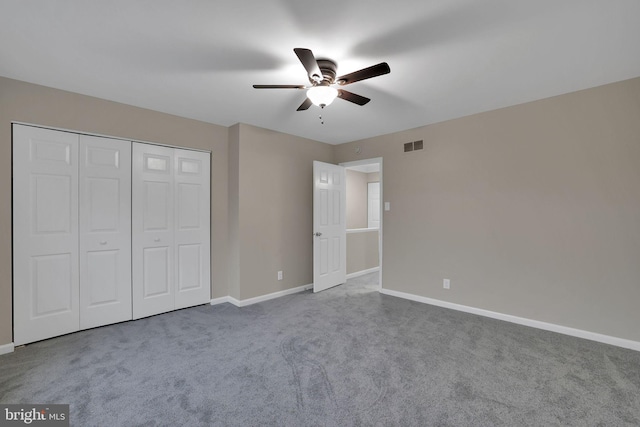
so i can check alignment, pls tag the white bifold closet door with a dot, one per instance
(105, 231)
(192, 227)
(45, 234)
(71, 232)
(171, 231)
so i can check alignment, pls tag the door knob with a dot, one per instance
(317, 234)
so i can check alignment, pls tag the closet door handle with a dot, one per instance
(157, 239)
(103, 242)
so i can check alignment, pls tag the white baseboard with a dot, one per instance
(607, 339)
(221, 300)
(362, 272)
(262, 298)
(7, 348)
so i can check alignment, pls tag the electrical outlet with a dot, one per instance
(446, 283)
(280, 275)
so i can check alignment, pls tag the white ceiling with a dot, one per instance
(199, 58)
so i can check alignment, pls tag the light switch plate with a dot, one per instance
(387, 206)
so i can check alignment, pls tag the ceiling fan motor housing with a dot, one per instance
(328, 69)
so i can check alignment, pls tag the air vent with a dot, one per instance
(413, 146)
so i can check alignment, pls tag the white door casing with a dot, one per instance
(45, 239)
(105, 231)
(329, 226)
(152, 230)
(192, 228)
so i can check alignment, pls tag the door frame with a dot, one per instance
(374, 160)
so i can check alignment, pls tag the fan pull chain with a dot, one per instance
(320, 116)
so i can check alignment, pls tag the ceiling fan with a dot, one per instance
(322, 76)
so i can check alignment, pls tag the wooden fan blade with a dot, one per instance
(278, 87)
(365, 73)
(352, 97)
(305, 105)
(310, 64)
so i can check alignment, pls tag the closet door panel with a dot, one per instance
(105, 231)
(45, 233)
(152, 230)
(192, 231)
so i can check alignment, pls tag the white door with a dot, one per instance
(152, 230)
(105, 231)
(373, 205)
(45, 233)
(192, 225)
(329, 226)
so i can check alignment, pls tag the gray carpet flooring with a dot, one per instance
(348, 356)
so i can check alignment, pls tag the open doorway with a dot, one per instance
(364, 217)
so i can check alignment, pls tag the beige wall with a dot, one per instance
(362, 251)
(234, 207)
(275, 207)
(35, 104)
(261, 186)
(362, 247)
(356, 199)
(532, 210)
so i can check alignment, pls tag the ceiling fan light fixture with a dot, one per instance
(322, 75)
(322, 95)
